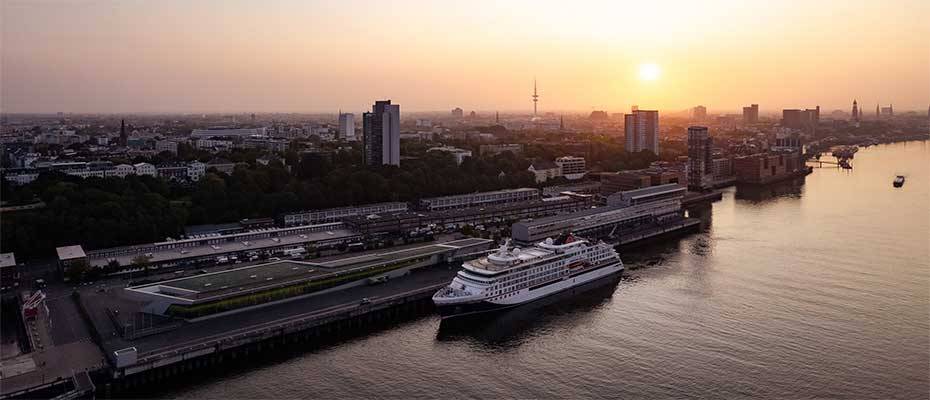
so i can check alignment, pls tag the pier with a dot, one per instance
(123, 345)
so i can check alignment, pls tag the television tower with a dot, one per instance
(535, 97)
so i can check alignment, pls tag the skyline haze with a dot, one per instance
(121, 57)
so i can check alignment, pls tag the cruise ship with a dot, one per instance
(513, 276)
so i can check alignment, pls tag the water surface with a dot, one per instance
(813, 288)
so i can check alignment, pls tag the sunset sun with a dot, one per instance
(649, 72)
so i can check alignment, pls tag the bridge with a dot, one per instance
(840, 163)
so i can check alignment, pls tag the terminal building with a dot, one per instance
(632, 210)
(187, 252)
(225, 291)
(647, 195)
(479, 199)
(388, 223)
(337, 214)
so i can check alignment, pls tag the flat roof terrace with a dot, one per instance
(255, 278)
(240, 279)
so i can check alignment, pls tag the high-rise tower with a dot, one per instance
(346, 126)
(642, 131)
(535, 97)
(123, 139)
(381, 129)
(855, 111)
(700, 168)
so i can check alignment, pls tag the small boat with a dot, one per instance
(898, 181)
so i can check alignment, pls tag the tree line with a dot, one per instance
(106, 212)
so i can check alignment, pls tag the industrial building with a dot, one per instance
(583, 187)
(626, 211)
(378, 224)
(637, 179)
(646, 195)
(338, 213)
(767, 167)
(479, 199)
(602, 222)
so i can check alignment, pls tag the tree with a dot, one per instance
(141, 262)
(76, 270)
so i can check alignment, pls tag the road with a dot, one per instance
(221, 325)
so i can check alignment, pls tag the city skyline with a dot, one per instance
(117, 57)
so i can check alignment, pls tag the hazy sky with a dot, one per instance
(301, 56)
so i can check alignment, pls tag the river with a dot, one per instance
(813, 288)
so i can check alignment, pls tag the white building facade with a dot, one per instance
(572, 168)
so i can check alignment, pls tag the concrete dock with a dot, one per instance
(88, 336)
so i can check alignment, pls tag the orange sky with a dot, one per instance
(295, 56)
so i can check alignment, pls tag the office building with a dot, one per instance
(751, 114)
(347, 126)
(381, 128)
(767, 167)
(642, 131)
(699, 113)
(887, 112)
(543, 170)
(572, 168)
(700, 145)
(458, 154)
(145, 169)
(170, 146)
(800, 119)
(722, 170)
(458, 112)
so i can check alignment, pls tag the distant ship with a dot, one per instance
(514, 276)
(898, 181)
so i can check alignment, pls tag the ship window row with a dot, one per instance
(531, 277)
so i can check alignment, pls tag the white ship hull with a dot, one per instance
(448, 309)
